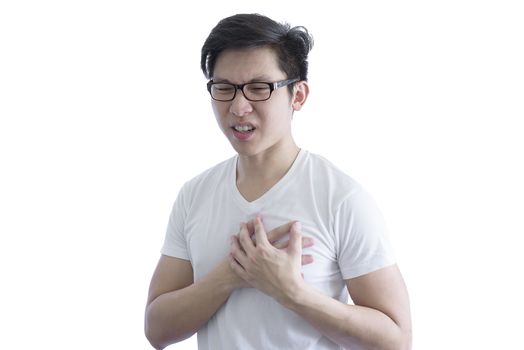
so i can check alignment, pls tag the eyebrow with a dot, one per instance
(259, 78)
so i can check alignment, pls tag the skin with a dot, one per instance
(269, 153)
(178, 306)
(380, 318)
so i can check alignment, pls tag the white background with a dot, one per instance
(104, 115)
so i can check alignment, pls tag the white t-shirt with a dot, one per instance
(344, 221)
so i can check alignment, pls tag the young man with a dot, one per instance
(308, 234)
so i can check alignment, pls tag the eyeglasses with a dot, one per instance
(255, 91)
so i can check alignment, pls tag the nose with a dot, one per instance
(240, 106)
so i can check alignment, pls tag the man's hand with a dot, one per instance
(274, 237)
(272, 269)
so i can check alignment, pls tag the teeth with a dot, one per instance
(243, 128)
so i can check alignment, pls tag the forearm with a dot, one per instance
(341, 322)
(175, 316)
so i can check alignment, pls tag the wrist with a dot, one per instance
(226, 285)
(223, 278)
(295, 295)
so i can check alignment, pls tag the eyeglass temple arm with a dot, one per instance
(282, 83)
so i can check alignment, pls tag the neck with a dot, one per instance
(270, 165)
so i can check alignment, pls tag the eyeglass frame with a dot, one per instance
(272, 87)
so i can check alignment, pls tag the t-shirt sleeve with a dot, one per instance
(175, 243)
(361, 236)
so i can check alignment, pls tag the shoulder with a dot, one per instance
(209, 178)
(221, 169)
(329, 178)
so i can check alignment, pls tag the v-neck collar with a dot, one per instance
(260, 201)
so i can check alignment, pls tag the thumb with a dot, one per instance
(295, 238)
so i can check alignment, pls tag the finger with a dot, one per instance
(295, 239)
(245, 239)
(307, 259)
(236, 267)
(236, 251)
(278, 233)
(251, 228)
(281, 244)
(260, 232)
(306, 243)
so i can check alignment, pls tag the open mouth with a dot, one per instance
(244, 128)
(243, 132)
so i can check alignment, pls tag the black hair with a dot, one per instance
(291, 44)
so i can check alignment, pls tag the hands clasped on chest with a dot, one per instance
(266, 262)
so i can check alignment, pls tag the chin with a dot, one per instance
(242, 151)
(246, 150)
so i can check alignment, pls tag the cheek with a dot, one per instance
(220, 112)
(281, 116)
(216, 108)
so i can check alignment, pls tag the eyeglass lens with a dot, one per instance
(252, 91)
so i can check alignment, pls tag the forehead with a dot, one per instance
(242, 65)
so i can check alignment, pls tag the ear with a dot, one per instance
(300, 95)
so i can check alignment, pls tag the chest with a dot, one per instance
(210, 227)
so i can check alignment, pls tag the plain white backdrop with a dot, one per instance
(104, 115)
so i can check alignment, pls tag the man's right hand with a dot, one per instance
(275, 236)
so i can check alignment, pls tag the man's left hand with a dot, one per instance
(273, 271)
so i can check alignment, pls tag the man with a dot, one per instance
(262, 249)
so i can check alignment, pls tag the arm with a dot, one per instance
(380, 318)
(177, 307)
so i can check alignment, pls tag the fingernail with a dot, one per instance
(298, 226)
